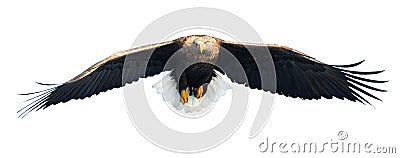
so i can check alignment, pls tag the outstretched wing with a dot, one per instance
(297, 74)
(114, 71)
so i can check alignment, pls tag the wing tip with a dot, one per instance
(350, 65)
(39, 101)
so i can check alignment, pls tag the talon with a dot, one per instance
(198, 92)
(184, 97)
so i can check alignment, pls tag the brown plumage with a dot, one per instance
(193, 59)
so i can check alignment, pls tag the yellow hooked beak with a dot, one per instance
(202, 47)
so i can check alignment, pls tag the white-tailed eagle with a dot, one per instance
(198, 58)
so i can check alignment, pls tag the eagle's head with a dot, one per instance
(203, 44)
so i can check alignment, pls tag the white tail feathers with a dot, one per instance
(168, 89)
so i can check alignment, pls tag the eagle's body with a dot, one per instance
(194, 64)
(195, 76)
(194, 61)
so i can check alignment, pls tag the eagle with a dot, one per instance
(193, 62)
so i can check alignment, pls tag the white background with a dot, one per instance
(51, 42)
